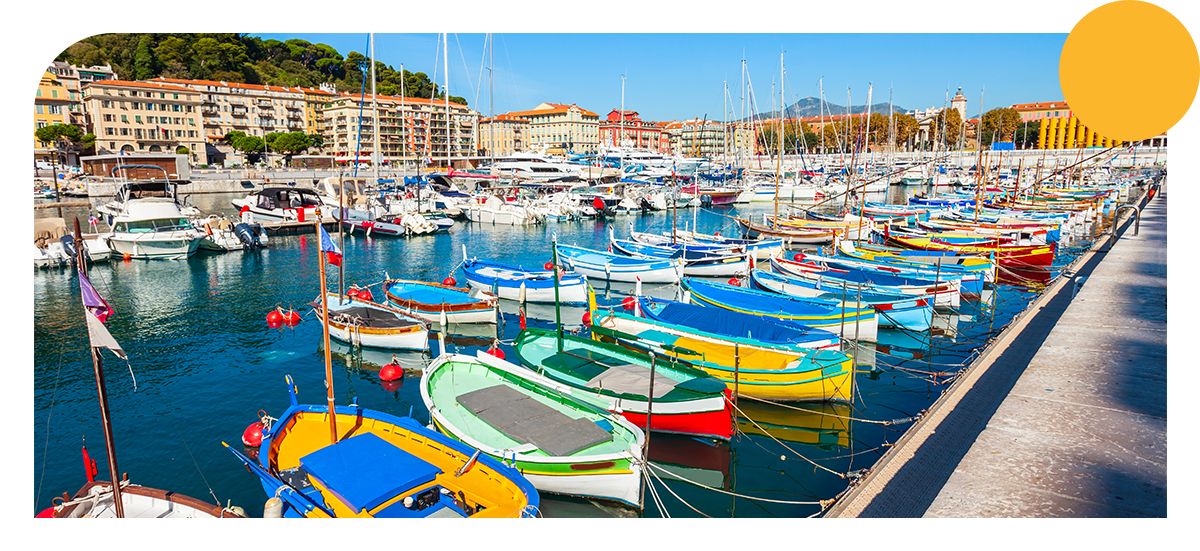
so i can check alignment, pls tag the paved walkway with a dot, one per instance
(1070, 417)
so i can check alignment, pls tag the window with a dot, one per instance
(54, 93)
(41, 111)
(177, 107)
(138, 119)
(124, 118)
(124, 131)
(105, 103)
(108, 131)
(176, 96)
(193, 123)
(113, 145)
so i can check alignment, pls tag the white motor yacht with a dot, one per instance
(151, 223)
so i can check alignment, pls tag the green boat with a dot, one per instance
(560, 441)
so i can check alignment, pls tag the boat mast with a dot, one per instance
(491, 101)
(621, 135)
(325, 326)
(446, 66)
(779, 163)
(101, 392)
(403, 132)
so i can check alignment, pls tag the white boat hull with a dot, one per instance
(151, 246)
(575, 294)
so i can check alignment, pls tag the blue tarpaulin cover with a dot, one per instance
(364, 471)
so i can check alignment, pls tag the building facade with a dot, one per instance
(699, 138)
(569, 127)
(410, 129)
(252, 109)
(145, 117)
(315, 100)
(51, 105)
(502, 135)
(627, 129)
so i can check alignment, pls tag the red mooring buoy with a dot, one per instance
(391, 372)
(587, 318)
(352, 293)
(548, 266)
(364, 294)
(798, 256)
(735, 282)
(253, 435)
(496, 352)
(274, 316)
(628, 303)
(291, 318)
(449, 282)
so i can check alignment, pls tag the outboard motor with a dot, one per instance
(248, 234)
(645, 205)
(68, 243)
(706, 200)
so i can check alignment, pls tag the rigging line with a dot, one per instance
(668, 488)
(38, 495)
(188, 448)
(743, 496)
(465, 69)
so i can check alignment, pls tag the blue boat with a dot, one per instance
(617, 267)
(695, 261)
(524, 285)
(732, 324)
(841, 318)
(904, 311)
(945, 293)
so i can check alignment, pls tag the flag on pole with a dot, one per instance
(92, 300)
(333, 255)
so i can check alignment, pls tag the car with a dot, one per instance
(43, 165)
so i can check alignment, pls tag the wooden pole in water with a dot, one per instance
(102, 393)
(325, 325)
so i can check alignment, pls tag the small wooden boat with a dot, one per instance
(369, 324)
(439, 303)
(970, 282)
(1005, 255)
(789, 236)
(750, 367)
(914, 313)
(845, 320)
(727, 323)
(944, 293)
(560, 442)
(686, 400)
(95, 500)
(616, 267)
(524, 285)
(696, 262)
(380, 466)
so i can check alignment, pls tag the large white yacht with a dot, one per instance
(149, 222)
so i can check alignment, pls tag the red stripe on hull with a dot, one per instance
(710, 424)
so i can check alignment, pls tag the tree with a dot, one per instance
(906, 127)
(290, 143)
(1003, 120)
(143, 60)
(181, 150)
(953, 123)
(316, 141)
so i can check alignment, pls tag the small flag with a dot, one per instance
(92, 300)
(99, 337)
(333, 255)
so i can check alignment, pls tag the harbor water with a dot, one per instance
(203, 363)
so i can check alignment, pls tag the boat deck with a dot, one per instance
(1064, 416)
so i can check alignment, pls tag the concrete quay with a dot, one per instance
(1064, 415)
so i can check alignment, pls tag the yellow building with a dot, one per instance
(314, 101)
(51, 105)
(502, 135)
(569, 127)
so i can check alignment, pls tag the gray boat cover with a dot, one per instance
(527, 420)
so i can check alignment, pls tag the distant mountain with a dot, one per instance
(811, 107)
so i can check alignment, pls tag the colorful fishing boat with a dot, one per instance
(861, 323)
(382, 466)
(685, 400)
(1005, 255)
(368, 324)
(617, 267)
(945, 293)
(970, 282)
(865, 251)
(914, 313)
(728, 323)
(746, 365)
(524, 285)
(789, 236)
(696, 262)
(444, 304)
(561, 443)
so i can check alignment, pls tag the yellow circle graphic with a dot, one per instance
(1129, 70)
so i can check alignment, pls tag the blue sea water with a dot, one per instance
(205, 363)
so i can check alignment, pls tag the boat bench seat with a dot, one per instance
(582, 363)
(526, 420)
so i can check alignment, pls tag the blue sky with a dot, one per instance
(675, 76)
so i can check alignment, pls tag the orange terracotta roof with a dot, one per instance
(138, 84)
(266, 88)
(558, 108)
(1042, 105)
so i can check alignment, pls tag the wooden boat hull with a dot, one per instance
(609, 470)
(751, 369)
(459, 305)
(303, 431)
(345, 328)
(849, 323)
(612, 267)
(914, 313)
(95, 500)
(705, 415)
(945, 293)
(507, 282)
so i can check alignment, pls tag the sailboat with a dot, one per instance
(104, 499)
(364, 463)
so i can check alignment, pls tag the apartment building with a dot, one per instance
(144, 117)
(51, 105)
(569, 127)
(627, 129)
(314, 101)
(502, 135)
(697, 138)
(410, 129)
(253, 109)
